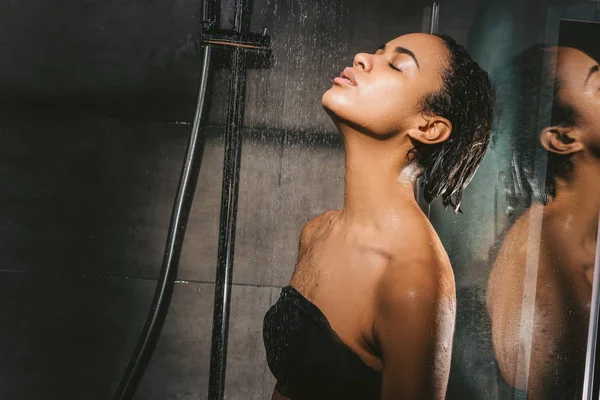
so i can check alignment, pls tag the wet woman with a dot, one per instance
(369, 312)
(540, 287)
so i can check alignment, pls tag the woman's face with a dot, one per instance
(580, 88)
(382, 92)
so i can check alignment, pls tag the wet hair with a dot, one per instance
(534, 85)
(466, 100)
(527, 88)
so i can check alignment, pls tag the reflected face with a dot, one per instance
(579, 75)
(382, 92)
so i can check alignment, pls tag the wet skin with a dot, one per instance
(376, 268)
(560, 313)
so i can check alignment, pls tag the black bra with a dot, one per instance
(308, 358)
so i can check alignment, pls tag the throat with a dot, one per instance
(379, 183)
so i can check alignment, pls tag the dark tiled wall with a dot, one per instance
(142, 59)
(85, 206)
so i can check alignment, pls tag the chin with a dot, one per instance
(326, 99)
(334, 104)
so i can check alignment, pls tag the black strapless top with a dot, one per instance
(308, 358)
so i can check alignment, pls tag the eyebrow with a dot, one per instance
(594, 69)
(404, 50)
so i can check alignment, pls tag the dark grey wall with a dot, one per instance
(141, 59)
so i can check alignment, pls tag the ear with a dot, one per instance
(431, 130)
(560, 140)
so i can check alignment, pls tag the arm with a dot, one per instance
(414, 330)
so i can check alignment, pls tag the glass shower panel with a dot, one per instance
(486, 28)
(523, 248)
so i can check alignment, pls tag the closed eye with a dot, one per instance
(396, 68)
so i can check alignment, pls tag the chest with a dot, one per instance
(340, 278)
(338, 259)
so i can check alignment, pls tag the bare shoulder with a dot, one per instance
(419, 254)
(415, 317)
(314, 225)
(426, 282)
(419, 270)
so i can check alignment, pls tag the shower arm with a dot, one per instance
(238, 43)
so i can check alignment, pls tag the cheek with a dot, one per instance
(389, 107)
(591, 121)
(592, 141)
(379, 107)
(595, 138)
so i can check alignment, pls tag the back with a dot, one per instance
(559, 313)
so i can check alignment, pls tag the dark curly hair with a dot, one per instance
(528, 87)
(532, 75)
(466, 100)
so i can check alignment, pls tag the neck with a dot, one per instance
(579, 193)
(379, 179)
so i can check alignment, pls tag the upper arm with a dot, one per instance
(414, 330)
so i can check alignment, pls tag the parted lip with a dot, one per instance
(348, 73)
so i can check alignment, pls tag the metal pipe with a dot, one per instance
(435, 17)
(181, 209)
(227, 228)
(229, 203)
(430, 25)
(430, 21)
(590, 356)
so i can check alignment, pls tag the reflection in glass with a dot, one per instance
(539, 289)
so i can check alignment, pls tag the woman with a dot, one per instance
(370, 309)
(540, 288)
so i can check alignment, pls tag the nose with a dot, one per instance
(363, 61)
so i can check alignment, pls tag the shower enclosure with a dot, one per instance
(92, 164)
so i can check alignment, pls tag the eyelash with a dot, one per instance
(394, 67)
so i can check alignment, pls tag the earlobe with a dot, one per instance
(432, 130)
(560, 140)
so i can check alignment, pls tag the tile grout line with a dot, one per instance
(126, 277)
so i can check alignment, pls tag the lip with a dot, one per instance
(347, 77)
